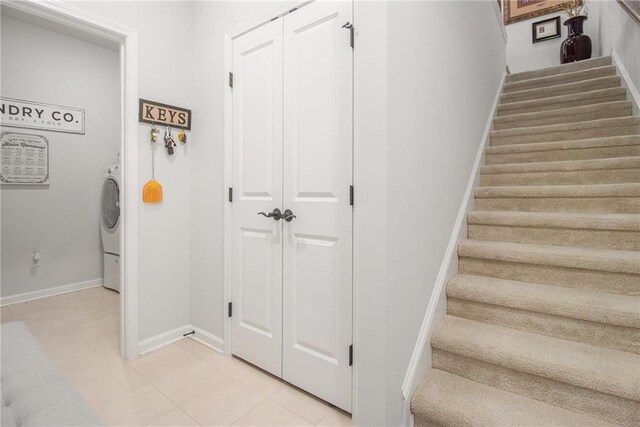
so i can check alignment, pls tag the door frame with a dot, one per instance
(64, 14)
(264, 18)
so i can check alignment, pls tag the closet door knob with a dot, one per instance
(288, 216)
(276, 214)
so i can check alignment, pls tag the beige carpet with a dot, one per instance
(543, 319)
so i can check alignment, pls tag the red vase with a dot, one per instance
(577, 46)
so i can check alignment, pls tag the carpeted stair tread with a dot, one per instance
(582, 365)
(589, 97)
(606, 231)
(631, 162)
(561, 89)
(618, 222)
(623, 198)
(559, 69)
(579, 149)
(450, 400)
(601, 307)
(602, 260)
(560, 191)
(575, 144)
(565, 172)
(574, 76)
(567, 131)
(565, 115)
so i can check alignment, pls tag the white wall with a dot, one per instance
(165, 74)
(620, 32)
(442, 80)
(60, 220)
(524, 55)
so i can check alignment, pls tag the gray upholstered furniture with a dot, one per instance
(34, 391)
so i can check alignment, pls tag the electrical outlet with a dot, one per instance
(35, 259)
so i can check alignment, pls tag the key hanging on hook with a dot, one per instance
(169, 143)
(155, 132)
(182, 136)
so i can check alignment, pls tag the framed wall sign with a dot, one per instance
(546, 29)
(519, 10)
(162, 114)
(25, 158)
(632, 7)
(37, 115)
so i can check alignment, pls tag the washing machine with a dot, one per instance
(110, 227)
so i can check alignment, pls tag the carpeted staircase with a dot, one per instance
(543, 318)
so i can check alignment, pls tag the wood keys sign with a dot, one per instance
(36, 115)
(162, 114)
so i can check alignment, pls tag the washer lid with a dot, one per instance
(110, 203)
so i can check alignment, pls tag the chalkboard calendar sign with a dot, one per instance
(25, 159)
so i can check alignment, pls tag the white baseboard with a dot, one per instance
(420, 361)
(164, 339)
(49, 292)
(627, 82)
(208, 339)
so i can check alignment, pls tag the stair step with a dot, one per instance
(568, 172)
(605, 270)
(561, 89)
(604, 231)
(581, 149)
(566, 115)
(445, 399)
(589, 379)
(597, 198)
(597, 318)
(575, 76)
(589, 97)
(560, 69)
(567, 131)
(614, 261)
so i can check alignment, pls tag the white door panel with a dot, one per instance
(257, 182)
(317, 245)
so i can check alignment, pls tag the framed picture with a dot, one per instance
(545, 30)
(519, 10)
(25, 159)
(632, 7)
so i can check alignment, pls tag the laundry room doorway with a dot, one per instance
(113, 184)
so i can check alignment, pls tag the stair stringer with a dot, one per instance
(626, 82)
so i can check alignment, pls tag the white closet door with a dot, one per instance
(317, 264)
(257, 187)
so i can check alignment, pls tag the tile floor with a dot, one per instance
(184, 384)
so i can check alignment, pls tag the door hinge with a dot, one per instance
(231, 194)
(351, 195)
(230, 309)
(230, 79)
(349, 26)
(351, 355)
